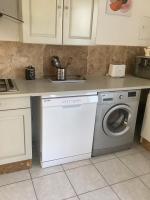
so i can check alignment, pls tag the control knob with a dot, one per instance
(121, 97)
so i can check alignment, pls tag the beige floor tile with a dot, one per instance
(146, 179)
(14, 177)
(127, 152)
(139, 147)
(53, 187)
(18, 191)
(101, 194)
(132, 190)
(137, 163)
(73, 198)
(114, 171)
(102, 158)
(85, 179)
(76, 164)
(37, 171)
(146, 154)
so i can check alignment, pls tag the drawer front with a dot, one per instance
(14, 103)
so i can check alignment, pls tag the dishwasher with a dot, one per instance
(67, 127)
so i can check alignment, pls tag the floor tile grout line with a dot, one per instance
(33, 186)
(140, 152)
(144, 183)
(50, 175)
(127, 167)
(132, 171)
(84, 192)
(90, 191)
(116, 193)
(124, 180)
(68, 198)
(15, 182)
(101, 174)
(106, 181)
(70, 182)
(103, 160)
(117, 182)
(45, 175)
(77, 167)
(91, 163)
(144, 174)
(127, 181)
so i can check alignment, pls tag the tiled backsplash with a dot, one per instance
(15, 56)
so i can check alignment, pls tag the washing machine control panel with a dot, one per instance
(118, 96)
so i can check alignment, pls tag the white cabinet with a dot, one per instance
(59, 21)
(15, 131)
(80, 22)
(42, 21)
(9, 29)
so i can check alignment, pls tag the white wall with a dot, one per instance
(121, 30)
(112, 29)
(9, 29)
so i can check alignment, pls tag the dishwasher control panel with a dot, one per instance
(69, 101)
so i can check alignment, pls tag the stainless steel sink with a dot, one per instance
(69, 79)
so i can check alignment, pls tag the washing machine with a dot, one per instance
(115, 121)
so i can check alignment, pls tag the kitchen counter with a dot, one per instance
(43, 87)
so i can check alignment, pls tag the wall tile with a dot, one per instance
(97, 60)
(15, 56)
(78, 54)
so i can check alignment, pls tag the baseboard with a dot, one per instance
(17, 166)
(145, 143)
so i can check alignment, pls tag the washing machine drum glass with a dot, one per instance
(116, 120)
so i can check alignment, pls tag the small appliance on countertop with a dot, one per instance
(30, 73)
(147, 51)
(117, 70)
(142, 67)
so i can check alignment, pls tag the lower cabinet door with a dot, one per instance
(15, 135)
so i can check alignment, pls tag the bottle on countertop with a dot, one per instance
(30, 73)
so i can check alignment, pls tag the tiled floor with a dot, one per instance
(120, 176)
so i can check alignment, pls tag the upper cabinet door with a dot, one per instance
(80, 22)
(42, 21)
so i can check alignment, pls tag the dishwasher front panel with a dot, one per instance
(67, 131)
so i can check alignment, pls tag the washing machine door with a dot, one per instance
(116, 121)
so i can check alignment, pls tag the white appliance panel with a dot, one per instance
(67, 129)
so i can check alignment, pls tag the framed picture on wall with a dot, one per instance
(119, 7)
